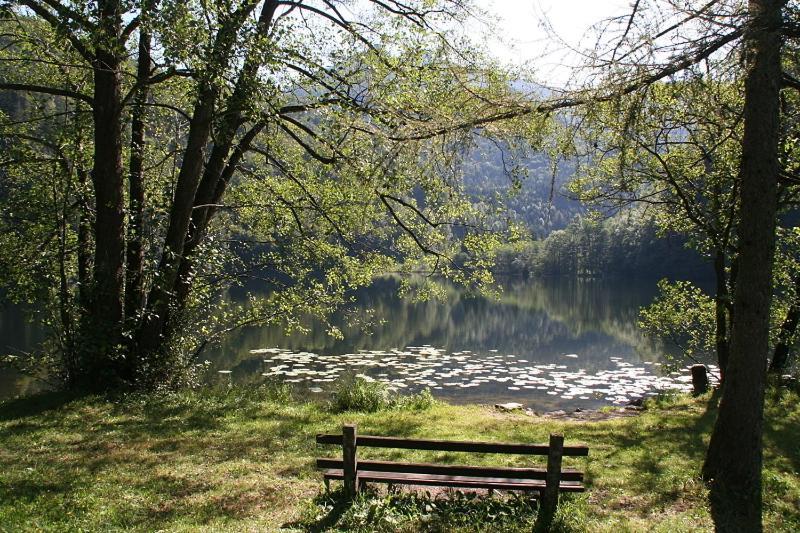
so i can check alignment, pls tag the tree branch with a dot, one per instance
(47, 90)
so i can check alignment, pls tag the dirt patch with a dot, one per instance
(578, 415)
(595, 415)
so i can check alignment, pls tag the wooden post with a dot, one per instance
(350, 460)
(547, 509)
(699, 379)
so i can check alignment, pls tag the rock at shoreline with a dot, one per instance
(510, 406)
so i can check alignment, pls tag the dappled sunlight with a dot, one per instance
(238, 460)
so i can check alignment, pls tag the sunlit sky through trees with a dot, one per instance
(525, 37)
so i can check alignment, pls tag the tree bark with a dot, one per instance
(134, 270)
(780, 357)
(102, 332)
(721, 314)
(734, 459)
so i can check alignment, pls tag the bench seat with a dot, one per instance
(440, 480)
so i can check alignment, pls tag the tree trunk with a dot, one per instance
(734, 459)
(151, 334)
(134, 286)
(721, 314)
(101, 333)
(223, 160)
(201, 218)
(780, 357)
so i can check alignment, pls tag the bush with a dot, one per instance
(421, 401)
(359, 393)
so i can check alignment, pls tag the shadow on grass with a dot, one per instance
(336, 505)
(195, 458)
(173, 456)
(29, 490)
(419, 510)
(35, 405)
(660, 446)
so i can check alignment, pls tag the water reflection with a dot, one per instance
(18, 333)
(549, 344)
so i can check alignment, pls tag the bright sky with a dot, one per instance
(524, 37)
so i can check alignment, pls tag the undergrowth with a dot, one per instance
(357, 393)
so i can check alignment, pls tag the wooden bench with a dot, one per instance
(544, 483)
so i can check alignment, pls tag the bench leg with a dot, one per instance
(327, 485)
(350, 461)
(491, 493)
(549, 501)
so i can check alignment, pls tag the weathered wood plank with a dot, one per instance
(568, 474)
(456, 481)
(350, 460)
(553, 482)
(453, 446)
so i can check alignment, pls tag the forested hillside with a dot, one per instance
(565, 238)
(528, 190)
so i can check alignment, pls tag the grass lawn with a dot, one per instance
(242, 460)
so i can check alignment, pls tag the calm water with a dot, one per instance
(17, 334)
(549, 344)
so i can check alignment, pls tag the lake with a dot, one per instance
(548, 344)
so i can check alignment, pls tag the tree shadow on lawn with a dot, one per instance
(659, 449)
(36, 405)
(173, 463)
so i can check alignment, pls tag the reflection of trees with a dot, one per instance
(606, 308)
(17, 334)
(539, 321)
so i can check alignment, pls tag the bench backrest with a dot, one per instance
(452, 446)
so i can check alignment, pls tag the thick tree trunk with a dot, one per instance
(101, 333)
(734, 460)
(721, 313)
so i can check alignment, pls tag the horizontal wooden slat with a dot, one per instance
(456, 481)
(452, 446)
(567, 474)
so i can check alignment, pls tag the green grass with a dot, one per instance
(242, 460)
(354, 393)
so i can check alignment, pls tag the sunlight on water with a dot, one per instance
(548, 344)
(492, 374)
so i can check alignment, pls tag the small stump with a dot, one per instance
(699, 379)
